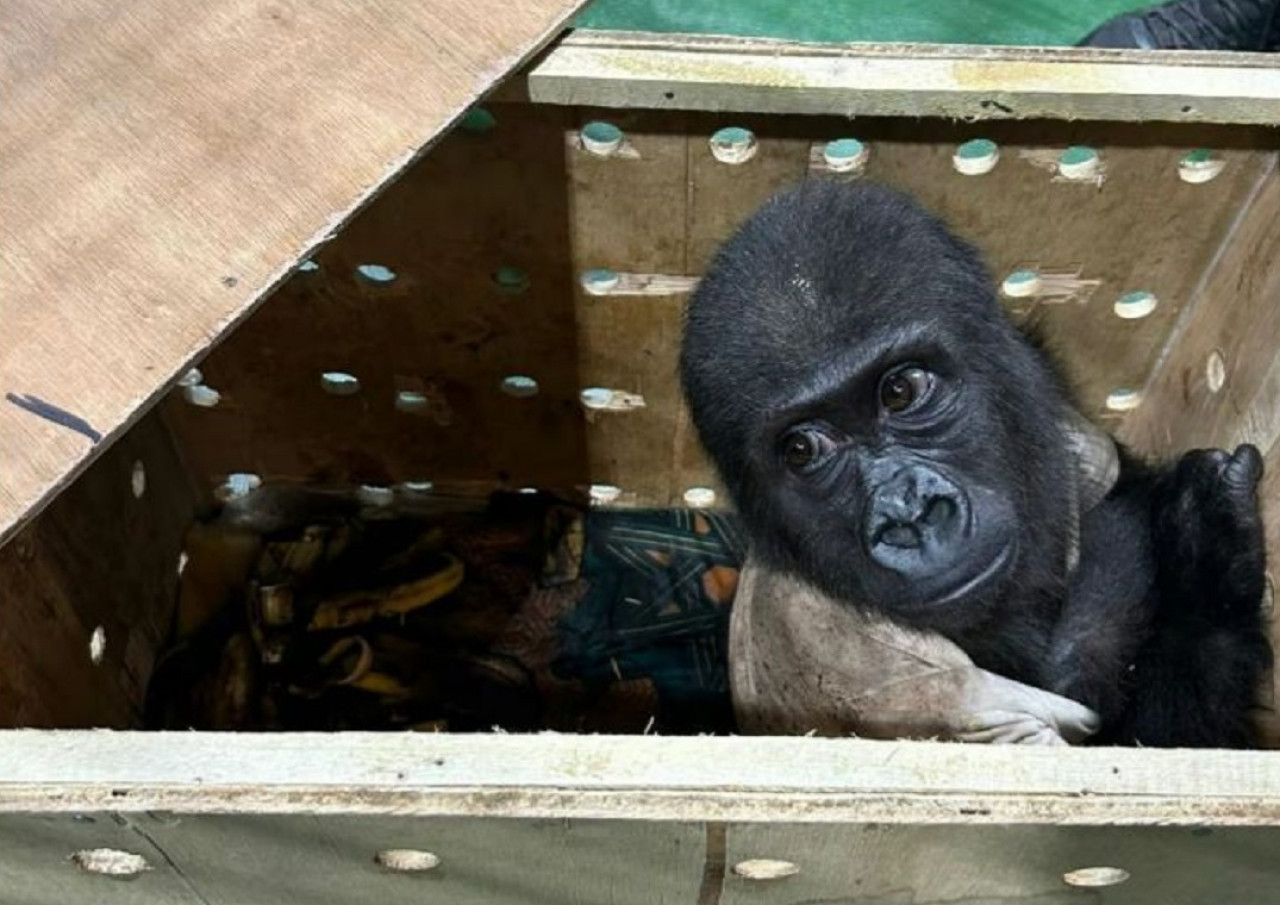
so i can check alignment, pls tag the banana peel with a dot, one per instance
(361, 606)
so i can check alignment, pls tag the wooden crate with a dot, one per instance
(489, 236)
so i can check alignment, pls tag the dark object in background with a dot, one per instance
(1234, 25)
(890, 436)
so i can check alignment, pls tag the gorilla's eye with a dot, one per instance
(804, 447)
(903, 388)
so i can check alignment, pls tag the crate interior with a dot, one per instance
(437, 351)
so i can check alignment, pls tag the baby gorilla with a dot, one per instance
(889, 436)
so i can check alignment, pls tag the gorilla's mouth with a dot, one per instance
(974, 584)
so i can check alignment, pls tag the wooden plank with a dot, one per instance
(168, 163)
(639, 778)
(102, 559)
(690, 72)
(262, 860)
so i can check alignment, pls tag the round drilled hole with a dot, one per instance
(520, 386)
(845, 155)
(699, 497)
(1021, 284)
(511, 279)
(407, 860)
(110, 862)
(97, 646)
(339, 383)
(1135, 305)
(976, 157)
(138, 480)
(1095, 876)
(600, 138)
(478, 120)
(765, 869)
(1123, 399)
(1079, 162)
(1215, 371)
(599, 281)
(733, 145)
(377, 274)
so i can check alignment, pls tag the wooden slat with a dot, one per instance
(166, 163)
(633, 777)
(690, 72)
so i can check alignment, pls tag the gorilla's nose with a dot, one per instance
(915, 521)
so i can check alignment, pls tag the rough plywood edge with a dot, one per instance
(651, 778)
(697, 73)
(26, 510)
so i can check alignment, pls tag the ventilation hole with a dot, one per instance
(845, 155)
(110, 862)
(1096, 876)
(520, 386)
(1021, 284)
(600, 281)
(1078, 162)
(201, 396)
(765, 869)
(339, 383)
(976, 157)
(193, 377)
(1215, 371)
(699, 497)
(601, 139)
(511, 279)
(733, 145)
(604, 494)
(478, 120)
(376, 274)
(407, 860)
(138, 480)
(1123, 400)
(97, 646)
(375, 495)
(308, 266)
(1135, 305)
(237, 485)
(416, 488)
(1201, 165)
(412, 401)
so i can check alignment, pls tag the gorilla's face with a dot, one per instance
(884, 430)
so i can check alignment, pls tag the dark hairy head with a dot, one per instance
(883, 428)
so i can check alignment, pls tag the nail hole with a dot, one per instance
(238, 484)
(375, 495)
(733, 145)
(1215, 371)
(511, 279)
(845, 155)
(1021, 284)
(407, 860)
(201, 396)
(1188, 109)
(604, 494)
(600, 138)
(376, 274)
(699, 497)
(97, 646)
(110, 862)
(765, 869)
(1135, 305)
(339, 383)
(138, 480)
(600, 280)
(1096, 876)
(669, 95)
(976, 157)
(478, 120)
(520, 386)
(1078, 162)
(1123, 400)
(1201, 165)
(308, 266)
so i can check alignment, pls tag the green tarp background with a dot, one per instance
(1031, 22)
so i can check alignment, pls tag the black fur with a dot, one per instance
(828, 288)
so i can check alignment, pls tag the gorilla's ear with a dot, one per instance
(1097, 461)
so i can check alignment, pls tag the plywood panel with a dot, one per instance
(166, 163)
(101, 557)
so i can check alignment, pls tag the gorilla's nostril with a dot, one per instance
(899, 535)
(940, 511)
